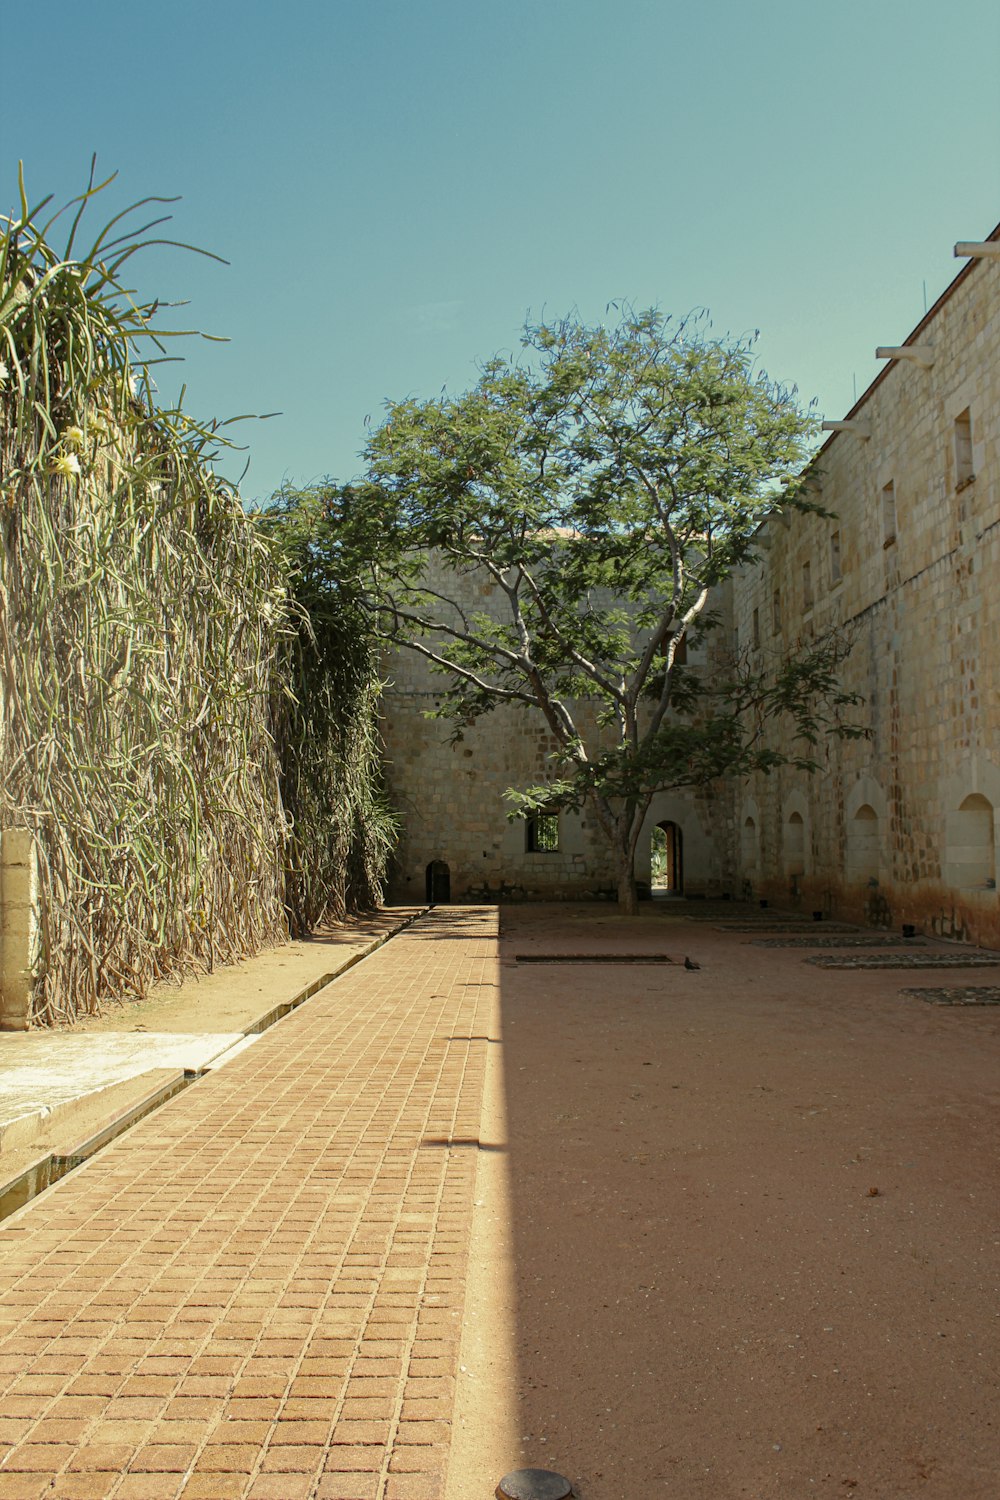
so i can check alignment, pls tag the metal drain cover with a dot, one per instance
(533, 1484)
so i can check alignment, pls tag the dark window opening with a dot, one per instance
(963, 450)
(541, 834)
(835, 573)
(680, 650)
(888, 514)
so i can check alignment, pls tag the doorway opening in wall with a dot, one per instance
(438, 883)
(666, 860)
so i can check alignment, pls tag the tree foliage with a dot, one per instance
(604, 484)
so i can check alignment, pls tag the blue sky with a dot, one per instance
(398, 185)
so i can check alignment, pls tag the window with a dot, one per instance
(755, 636)
(541, 833)
(835, 573)
(776, 609)
(963, 450)
(680, 650)
(807, 585)
(888, 514)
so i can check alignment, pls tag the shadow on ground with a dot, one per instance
(751, 1222)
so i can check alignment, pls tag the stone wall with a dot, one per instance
(900, 827)
(450, 796)
(20, 929)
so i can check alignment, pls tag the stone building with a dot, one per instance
(896, 828)
(900, 827)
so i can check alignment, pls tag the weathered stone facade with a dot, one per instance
(897, 828)
(900, 827)
(450, 797)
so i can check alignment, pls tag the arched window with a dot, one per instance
(973, 853)
(863, 846)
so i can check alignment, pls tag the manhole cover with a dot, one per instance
(533, 1484)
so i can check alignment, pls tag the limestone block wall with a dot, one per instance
(450, 797)
(901, 827)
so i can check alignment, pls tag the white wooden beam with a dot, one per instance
(978, 249)
(860, 429)
(918, 354)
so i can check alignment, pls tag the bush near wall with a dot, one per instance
(145, 641)
(327, 728)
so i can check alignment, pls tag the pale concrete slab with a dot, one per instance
(47, 1076)
(42, 1071)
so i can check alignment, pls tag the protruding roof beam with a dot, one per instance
(860, 429)
(978, 249)
(919, 354)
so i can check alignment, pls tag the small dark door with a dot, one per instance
(438, 883)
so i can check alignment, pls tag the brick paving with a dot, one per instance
(257, 1291)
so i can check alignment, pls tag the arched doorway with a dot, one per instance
(666, 859)
(438, 883)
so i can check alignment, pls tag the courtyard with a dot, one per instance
(547, 1197)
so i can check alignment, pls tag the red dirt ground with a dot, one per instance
(740, 1237)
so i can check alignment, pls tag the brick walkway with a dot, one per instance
(257, 1291)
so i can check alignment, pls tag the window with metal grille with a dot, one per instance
(542, 833)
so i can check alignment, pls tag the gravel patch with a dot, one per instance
(904, 961)
(969, 996)
(848, 941)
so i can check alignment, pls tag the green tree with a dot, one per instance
(604, 484)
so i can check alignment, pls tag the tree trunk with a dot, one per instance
(628, 896)
(621, 836)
